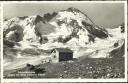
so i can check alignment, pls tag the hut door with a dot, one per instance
(65, 56)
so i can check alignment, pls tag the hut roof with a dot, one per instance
(63, 50)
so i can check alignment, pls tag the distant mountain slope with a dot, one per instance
(68, 28)
(65, 24)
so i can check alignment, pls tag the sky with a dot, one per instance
(103, 14)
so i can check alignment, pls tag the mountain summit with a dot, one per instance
(64, 26)
(67, 28)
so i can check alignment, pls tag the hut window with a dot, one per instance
(54, 51)
(54, 56)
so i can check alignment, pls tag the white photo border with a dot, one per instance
(64, 80)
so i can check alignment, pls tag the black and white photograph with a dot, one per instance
(64, 40)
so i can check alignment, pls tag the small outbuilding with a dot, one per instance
(61, 54)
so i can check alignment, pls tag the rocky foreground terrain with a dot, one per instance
(87, 68)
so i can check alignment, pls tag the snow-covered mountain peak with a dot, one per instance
(75, 14)
(64, 26)
(67, 28)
